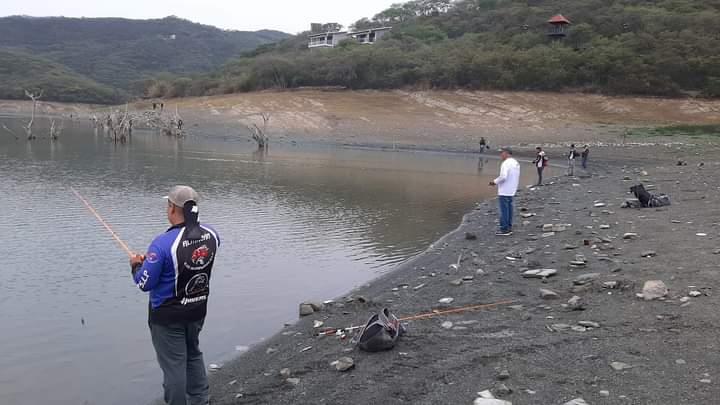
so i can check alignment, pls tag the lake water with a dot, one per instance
(296, 224)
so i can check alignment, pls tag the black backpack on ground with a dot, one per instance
(380, 332)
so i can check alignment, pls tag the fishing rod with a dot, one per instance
(340, 331)
(107, 226)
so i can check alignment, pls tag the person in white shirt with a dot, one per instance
(540, 163)
(507, 184)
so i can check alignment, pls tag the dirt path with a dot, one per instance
(667, 345)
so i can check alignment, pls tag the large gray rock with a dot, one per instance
(306, 309)
(654, 289)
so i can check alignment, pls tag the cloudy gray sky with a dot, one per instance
(285, 15)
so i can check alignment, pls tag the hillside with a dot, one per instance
(666, 47)
(120, 52)
(20, 72)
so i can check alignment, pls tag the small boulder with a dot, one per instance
(548, 294)
(576, 303)
(293, 381)
(576, 401)
(285, 373)
(344, 364)
(470, 236)
(539, 273)
(654, 289)
(306, 309)
(649, 253)
(620, 366)
(630, 235)
(586, 278)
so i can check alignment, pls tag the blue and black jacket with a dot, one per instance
(176, 272)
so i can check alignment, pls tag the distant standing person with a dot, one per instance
(540, 162)
(585, 155)
(176, 271)
(571, 160)
(507, 184)
(483, 144)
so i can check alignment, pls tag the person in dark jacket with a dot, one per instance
(571, 160)
(585, 155)
(176, 272)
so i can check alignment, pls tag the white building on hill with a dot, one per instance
(331, 39)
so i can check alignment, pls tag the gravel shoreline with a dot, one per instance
(608, 347)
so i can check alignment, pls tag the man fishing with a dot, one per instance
(176, 272)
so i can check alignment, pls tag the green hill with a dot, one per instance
(20, 72)
(662, 47)
(120, 52)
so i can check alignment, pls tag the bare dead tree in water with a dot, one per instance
(28, 127)
(259, 133)
(55, 130)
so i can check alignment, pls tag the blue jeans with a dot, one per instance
(506, 212)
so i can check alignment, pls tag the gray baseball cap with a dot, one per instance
(506, 149)
(179, 195)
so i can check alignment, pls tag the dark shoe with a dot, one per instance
(503, 233)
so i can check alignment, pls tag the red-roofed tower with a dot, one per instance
(558, 26)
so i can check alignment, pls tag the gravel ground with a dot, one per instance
(532, 351)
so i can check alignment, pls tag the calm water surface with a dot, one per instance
(296, 224)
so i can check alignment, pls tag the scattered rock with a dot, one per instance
(447, 325)
(456, 282)
(604, 226)
(528, 215)
(468, 278)
(680, 362)
(344, 364)
(317, 324)
(695, 293)
(586, 278)
(610, 285)
(470, 236)
(600, 205)
(548, 294)
(560, 327)
(576, 303)
(446, 301)
(570, 247)
(604, 393)
(504, 375)
(630, 235)
(619, 366)
(502, 390)
(649, 253)
(491, 401)
(576, 401)
(293, 381)
(654, 289)
(214, 367)
(539, 273)
(589, 324)
(285, 373)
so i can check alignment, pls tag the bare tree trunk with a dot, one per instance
(28, 128)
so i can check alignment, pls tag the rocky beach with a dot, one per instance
(608, 305)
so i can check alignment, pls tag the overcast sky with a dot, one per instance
(291, 16)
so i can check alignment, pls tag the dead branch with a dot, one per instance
(11, 132)
(259, 134)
